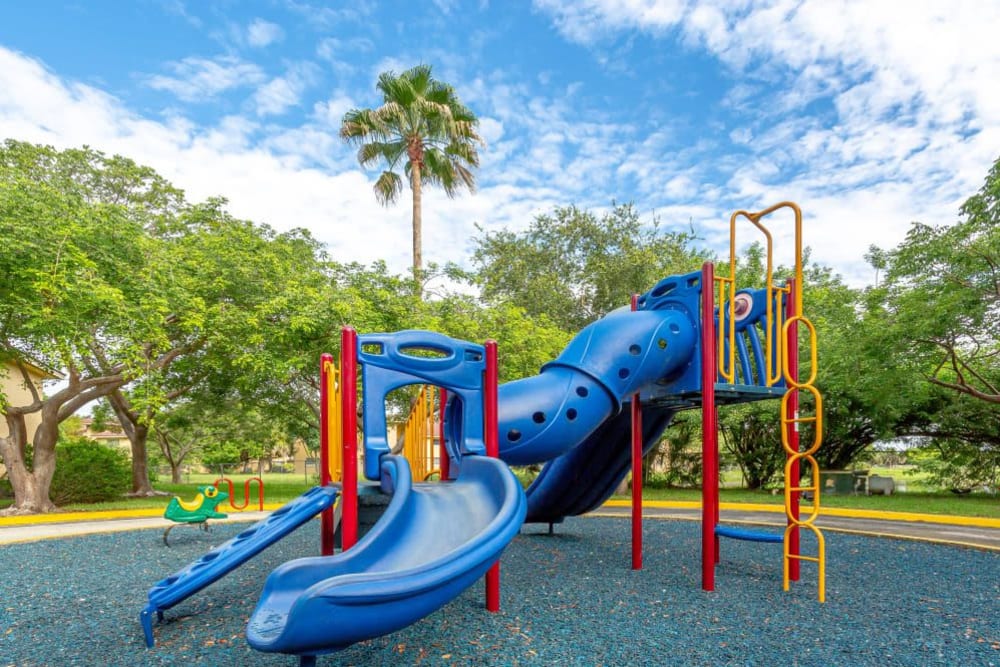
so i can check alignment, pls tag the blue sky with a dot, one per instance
(868, 116)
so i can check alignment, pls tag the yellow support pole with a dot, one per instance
(418, 439)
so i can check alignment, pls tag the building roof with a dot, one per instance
(37, 368)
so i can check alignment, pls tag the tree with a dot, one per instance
(574, 267)
(73, 291)
(943, 292)
(239, 285)
(137, 296)
(960, 448)
(752, 434)
(423, 127)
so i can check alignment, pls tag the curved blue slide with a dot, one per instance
(433, 542)
(571, 413)
(228, 556)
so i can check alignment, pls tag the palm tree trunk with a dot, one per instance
(418, 260)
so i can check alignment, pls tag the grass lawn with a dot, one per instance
(278, 488)
(281, 488)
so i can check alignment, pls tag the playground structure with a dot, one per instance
(675, 349)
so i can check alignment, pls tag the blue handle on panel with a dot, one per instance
(450, 361)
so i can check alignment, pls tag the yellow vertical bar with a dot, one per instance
(336, 454)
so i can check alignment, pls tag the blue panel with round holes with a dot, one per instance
(678, 293)
(392, 360)
(626, 351)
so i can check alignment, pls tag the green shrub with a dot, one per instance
(87, 472)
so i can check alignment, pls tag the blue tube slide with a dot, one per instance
(228, 556)
(433, 542)
(543, 416)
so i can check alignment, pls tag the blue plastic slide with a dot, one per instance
(228, 556)
(571, 413)
(433, 542)
(543, 416)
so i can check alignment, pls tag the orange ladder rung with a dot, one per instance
(798, 420)
(814, 559)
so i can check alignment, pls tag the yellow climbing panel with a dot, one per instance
(777, 366)
(336, 451)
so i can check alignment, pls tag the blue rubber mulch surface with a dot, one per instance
(570, 599)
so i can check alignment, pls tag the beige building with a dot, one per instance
(17, 393)
(113, 436)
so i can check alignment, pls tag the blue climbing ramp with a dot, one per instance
(432, 543)
(228, 556)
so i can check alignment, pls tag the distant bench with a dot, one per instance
(877, 484)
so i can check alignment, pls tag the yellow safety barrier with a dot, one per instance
(419, 443)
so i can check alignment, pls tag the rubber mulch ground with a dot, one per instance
(570, 599)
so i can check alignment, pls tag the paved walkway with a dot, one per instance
(980, 533)
(50, 526)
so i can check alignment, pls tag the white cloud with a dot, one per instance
(283, 92)
(195, 79)
(587, 21)
(490, 129)
(333, 49)
(261, 33)
(445, 6)
(330, 112)
(916, 110)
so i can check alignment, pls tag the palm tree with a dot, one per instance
(424, 126)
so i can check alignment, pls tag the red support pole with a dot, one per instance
(709, 432)
(493, 450)
(444, 463)
(326, 528)
(792, 342)
(636, 472)
(349, 435)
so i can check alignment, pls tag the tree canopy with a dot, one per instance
(573, 266)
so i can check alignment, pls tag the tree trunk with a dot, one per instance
(418, 258)
(31, 487)
(140, 463)
(138, 435)
(169, 454)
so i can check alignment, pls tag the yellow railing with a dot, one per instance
(774, 316)
(336, 453)
(776, 334)
(419, 442)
